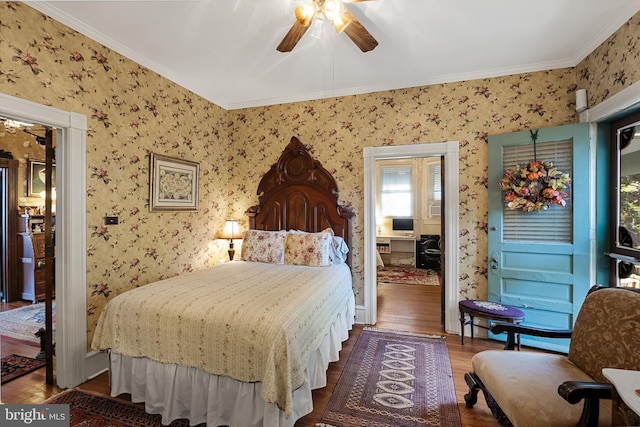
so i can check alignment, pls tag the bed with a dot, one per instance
(244, 343)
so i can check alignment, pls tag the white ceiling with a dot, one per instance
(225, 50)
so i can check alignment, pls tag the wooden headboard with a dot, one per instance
(297, 193)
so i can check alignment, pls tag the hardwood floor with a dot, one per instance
(400, 307)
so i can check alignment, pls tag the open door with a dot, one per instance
(9, 229)
(49, 255)
(539, 261)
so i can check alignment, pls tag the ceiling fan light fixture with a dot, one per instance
(316, 28)
(305, 13)
(332, 9)
(341, 22)
(311, 16)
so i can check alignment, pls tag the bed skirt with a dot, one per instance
(176, 391)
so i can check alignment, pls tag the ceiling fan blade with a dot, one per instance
(360, 36)
(292, 38)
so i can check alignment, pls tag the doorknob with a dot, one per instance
(493, 262)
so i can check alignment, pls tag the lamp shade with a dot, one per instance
(231, 230)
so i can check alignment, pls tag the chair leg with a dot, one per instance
(471, 324)
(471, 398)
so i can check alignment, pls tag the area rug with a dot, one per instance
(89, 409)
(395, 379)
(15, 366)
(408, 276)
(22, 323)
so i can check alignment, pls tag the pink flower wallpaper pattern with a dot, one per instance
(133, 112)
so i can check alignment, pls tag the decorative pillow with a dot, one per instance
(263, 246)
(339, 250)
(311, 249)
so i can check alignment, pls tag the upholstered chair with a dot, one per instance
(525, 388)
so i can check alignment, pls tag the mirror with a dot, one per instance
(625, 206)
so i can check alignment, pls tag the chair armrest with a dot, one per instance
(512, 329)
(591, 392)
(574, 391)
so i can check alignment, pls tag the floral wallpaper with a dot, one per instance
(132, 112)
(612, 66)
(337, 130)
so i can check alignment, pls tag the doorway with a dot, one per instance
(449, 152)
(28, 250)
(408, 238)
(72, 358)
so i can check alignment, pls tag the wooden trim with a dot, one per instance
(10, 280)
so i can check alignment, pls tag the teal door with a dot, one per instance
(539, 261)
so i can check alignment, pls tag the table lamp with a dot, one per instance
(231, 231)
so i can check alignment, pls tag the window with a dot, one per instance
(396, 191)
(624, 205)
(433, 179)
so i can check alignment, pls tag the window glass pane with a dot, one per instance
(435, 192)
(396, 192)
(630, 184)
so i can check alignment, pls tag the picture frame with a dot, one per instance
(36, 177)
(173, 184)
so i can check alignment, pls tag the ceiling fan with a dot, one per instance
(312, 15)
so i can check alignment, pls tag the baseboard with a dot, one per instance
(95, 364)
(360, 314)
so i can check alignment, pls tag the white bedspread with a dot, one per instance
(253, 322)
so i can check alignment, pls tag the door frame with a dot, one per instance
(613, 106)
(71, 290)
(450, 151)
(9, 222)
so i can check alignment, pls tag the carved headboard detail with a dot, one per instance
(297, 193)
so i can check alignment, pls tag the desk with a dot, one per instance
(390, 243)
(387, 244)
(625, 383)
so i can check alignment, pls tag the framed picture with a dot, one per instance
(36, 177)
(173, 184)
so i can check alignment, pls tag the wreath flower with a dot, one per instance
(535, 187)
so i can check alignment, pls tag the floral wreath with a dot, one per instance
(535, 187)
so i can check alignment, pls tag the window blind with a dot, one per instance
(554, 224)
(396, 192)
(433, 178)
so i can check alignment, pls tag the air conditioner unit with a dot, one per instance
(434, 210)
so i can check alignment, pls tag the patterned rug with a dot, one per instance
(15, 366)
(22, 323)
(395, 379)
(408, 276)
(88, 409)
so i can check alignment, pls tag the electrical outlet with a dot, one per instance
(110, 220)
